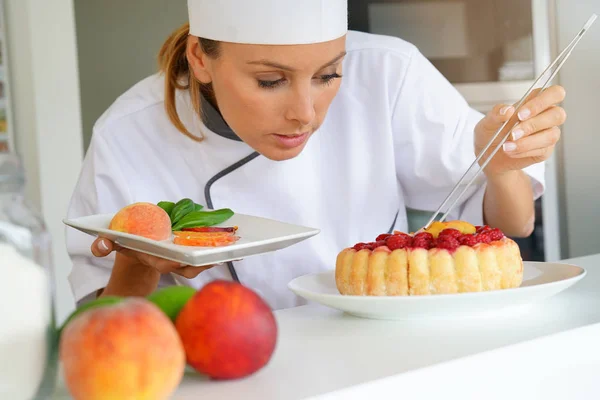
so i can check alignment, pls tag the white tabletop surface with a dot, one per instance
(324, 353)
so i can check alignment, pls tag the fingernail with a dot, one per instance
(504, 110)
(524, 114)
(102, 245)
(509, 146)
(517, 134)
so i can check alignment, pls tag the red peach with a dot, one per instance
(129, 350)
(228, 331)
(143, 219)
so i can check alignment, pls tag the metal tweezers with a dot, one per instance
(545, 78)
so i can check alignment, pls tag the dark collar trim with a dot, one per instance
(208, 197)
(215, 122)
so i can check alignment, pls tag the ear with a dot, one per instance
(197, 60)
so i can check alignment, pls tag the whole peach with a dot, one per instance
(227, 330)
(129, 350)
(142, 219)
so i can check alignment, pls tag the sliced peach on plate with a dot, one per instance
(204, 239)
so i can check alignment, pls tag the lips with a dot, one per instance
(291, 134)
(291, 141)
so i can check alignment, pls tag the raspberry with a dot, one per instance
(496, 234)
(468, 240)
(482, 229)
(398, 241)
(378, 243)
(484, 237)
(383, 236)
(423, 240)
(424, 235)
(451, 232)
(361, 246)
(422, 243)
(447, 242)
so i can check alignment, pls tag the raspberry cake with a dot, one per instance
(449, 257)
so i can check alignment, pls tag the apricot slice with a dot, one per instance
(204, 239)
(463, 227)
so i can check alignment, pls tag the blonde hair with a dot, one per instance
(173, 63)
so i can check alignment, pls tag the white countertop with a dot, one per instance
(323, 352)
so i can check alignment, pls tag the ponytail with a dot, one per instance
(173, 63)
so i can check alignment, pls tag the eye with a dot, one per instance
(270, 84)
(326, 79)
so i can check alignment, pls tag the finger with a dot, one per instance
(165, 266)
(191, 272)
(127, 252)
(102, 247)
(160, 264)
(538, 155)
(144, 258)
(551, 96)
(554, 116)
(534, 145)
(501, 112)
(497, 116)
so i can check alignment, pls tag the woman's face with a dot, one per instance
(273, 97)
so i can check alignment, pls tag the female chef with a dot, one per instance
(250, 112)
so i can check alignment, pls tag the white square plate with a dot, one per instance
(257, 236)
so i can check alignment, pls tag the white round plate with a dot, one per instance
(540, 280)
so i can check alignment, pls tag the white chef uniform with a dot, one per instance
(398, 135)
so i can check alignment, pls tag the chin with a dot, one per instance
(277, 154)
(281, 155)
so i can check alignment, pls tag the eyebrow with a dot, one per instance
(287, 68)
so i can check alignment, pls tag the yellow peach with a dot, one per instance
(463, 227)
(142, 219)
(129, 350)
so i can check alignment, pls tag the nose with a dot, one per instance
(301, 107)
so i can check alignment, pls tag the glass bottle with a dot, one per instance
(28, 334)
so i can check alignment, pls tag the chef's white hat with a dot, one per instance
(268, 21)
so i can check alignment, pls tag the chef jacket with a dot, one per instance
(397, 136)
